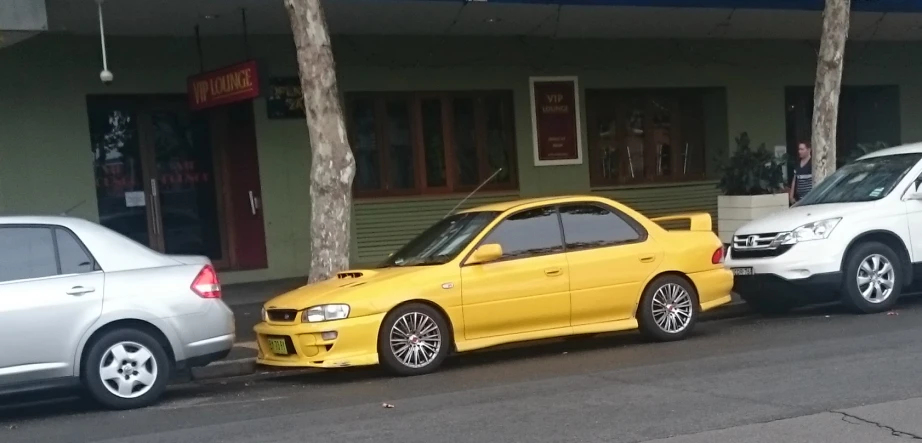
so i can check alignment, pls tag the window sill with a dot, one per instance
(673, 184)
(429, 197)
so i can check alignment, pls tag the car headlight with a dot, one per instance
(264, 315)
(325, 313)
(817, 230)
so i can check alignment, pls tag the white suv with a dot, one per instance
(856, 237)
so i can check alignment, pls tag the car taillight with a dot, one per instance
(206, 283)
(718, 256)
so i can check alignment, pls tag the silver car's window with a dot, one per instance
(26, 252)
(74, 259)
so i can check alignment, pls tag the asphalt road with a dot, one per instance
(819, 376)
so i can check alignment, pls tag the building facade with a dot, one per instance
(637, 103)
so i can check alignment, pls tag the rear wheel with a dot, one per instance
(126, 369)
(414, 339)
(668, 309)
(873, 278)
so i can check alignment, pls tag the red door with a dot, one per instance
(242, 190)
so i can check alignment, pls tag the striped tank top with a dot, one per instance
(803, 179)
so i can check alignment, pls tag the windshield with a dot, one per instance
(442, 241)
(864, 180)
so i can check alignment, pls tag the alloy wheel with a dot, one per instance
(415, 339)
(876, 278)
(672, 308)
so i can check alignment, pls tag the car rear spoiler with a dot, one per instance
(697, 221)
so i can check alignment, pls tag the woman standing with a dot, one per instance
(802, 182)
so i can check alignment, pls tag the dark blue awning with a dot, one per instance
(803, 5)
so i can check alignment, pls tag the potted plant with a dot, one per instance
(752, 186)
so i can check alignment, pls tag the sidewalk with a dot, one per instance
(246, 301)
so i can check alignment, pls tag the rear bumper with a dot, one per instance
(713, 287)
(355, 344)
(207, 336)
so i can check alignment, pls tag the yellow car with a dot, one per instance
(502, 273)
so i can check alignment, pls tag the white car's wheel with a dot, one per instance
(126, 369)
(873, 278)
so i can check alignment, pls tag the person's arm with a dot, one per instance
(791, 191)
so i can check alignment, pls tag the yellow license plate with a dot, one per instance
(278, 346)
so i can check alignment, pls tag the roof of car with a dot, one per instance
(511, 204)
(44, 220)
(910, 148)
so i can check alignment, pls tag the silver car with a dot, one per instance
(82, 304)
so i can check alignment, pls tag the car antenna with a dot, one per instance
(473, 192)
(67, 212)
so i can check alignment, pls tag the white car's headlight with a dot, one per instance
(818, 230)
(320, 313)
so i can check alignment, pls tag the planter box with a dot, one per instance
(734, 211)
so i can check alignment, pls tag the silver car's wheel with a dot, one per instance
(672, 308)
(128, 370)
(876, 278)
(415, 340)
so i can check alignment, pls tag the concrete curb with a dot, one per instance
(247, 366)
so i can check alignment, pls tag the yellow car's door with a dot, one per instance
(610, 257)
(526, 290)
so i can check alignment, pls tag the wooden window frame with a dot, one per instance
(414, 102)
(687, 108)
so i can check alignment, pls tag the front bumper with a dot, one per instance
(806, 271)
(355, 344)
(817, 288)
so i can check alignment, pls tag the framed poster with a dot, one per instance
(555, 121)
(285, 99)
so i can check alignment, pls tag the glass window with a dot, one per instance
(406, 137)
(442, 241)
(400, 145)
(74, 259)
(864, 180)
(591, 226)
(466, 142)
(365, 145)
(433, 143)
(528, 233)
(26, 253)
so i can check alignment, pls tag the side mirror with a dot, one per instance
(485, 254)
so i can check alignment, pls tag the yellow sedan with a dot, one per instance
(502, 273)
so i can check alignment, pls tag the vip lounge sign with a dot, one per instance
(555, 117)
(223, 86)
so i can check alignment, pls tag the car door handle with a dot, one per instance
(80, 290)
(647, 259)
(552, 272)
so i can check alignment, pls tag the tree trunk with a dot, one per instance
(332, 163)
(828, 84)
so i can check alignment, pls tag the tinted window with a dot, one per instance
(528, 233)
(74, 259)
(590, 226)
(26, 253)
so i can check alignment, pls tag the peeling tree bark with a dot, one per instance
(332, 163)
(827, 87)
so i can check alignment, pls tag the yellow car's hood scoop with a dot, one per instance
(330, 290)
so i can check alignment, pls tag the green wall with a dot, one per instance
(45, 163)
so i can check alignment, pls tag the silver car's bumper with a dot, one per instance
(206, 336)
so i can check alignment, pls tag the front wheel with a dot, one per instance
(873, 278)
(413, 340)
(668, 309)
(126, 369)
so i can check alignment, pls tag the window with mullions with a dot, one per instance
(426, 143)
(638, 136)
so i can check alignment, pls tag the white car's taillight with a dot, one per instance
(206, 283)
